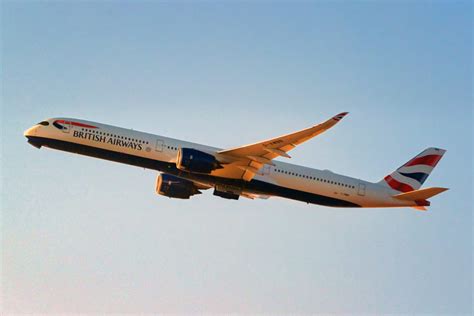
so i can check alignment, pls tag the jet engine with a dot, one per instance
(175, 187)
(193, 160)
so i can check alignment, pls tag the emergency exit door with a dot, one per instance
(361, 189)
(159, 145)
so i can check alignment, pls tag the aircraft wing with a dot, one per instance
(250, 158)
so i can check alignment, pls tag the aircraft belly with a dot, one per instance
(253, 186)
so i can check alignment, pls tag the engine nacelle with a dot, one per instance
(193, 160)
(175, 187)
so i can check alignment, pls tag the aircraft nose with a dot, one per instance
(30, 131)
(31, 134)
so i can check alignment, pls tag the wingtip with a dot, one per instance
(340, 116)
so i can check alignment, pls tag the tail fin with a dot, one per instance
(413, 174)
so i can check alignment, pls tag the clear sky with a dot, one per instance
(86, 235)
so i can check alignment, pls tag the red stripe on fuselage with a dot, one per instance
(76, 124)
(396, 185)
(428, 160)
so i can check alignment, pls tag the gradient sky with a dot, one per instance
(86, 235)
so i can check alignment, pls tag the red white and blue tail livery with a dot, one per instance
(251, 171)
(414, 173)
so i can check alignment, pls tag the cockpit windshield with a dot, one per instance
(44, 123)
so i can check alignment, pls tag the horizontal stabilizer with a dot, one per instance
(417, 195)
(420, 208)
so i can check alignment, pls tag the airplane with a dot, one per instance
(250, 171)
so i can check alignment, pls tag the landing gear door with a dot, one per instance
(361, 189)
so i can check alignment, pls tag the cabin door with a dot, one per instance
(159, 145)
(266, 170)
(361, 189)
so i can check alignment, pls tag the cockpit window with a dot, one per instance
(44, 123)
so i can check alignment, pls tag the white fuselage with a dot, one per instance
(163, 149)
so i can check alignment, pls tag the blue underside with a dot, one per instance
(255, 186)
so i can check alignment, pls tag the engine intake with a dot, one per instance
(193, 160)
(175, 187)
